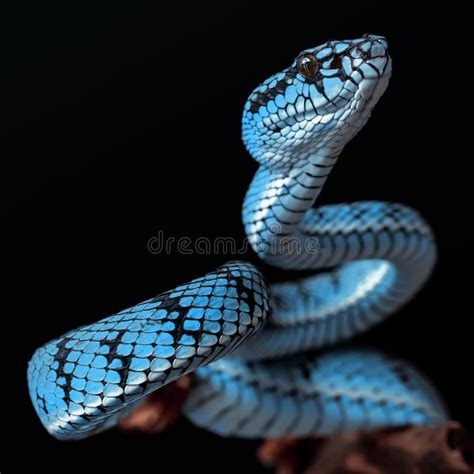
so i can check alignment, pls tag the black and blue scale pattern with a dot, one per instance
(371, 257)
(84, 381)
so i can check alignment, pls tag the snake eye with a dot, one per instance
(307, 66)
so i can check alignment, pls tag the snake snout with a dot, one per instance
(379, 44)
(374, 52)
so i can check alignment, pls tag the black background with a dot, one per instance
(120, 121)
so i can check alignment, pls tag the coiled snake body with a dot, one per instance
(376, 256)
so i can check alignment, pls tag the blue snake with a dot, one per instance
(257, 350)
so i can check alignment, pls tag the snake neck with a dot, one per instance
(277, 201)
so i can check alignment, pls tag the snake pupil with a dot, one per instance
(307, 66)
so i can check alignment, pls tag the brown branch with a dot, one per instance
(411, 450)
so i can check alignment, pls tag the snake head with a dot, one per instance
(315, 106)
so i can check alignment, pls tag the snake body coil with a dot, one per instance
(376, 255)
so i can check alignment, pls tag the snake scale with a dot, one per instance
(240, 336)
